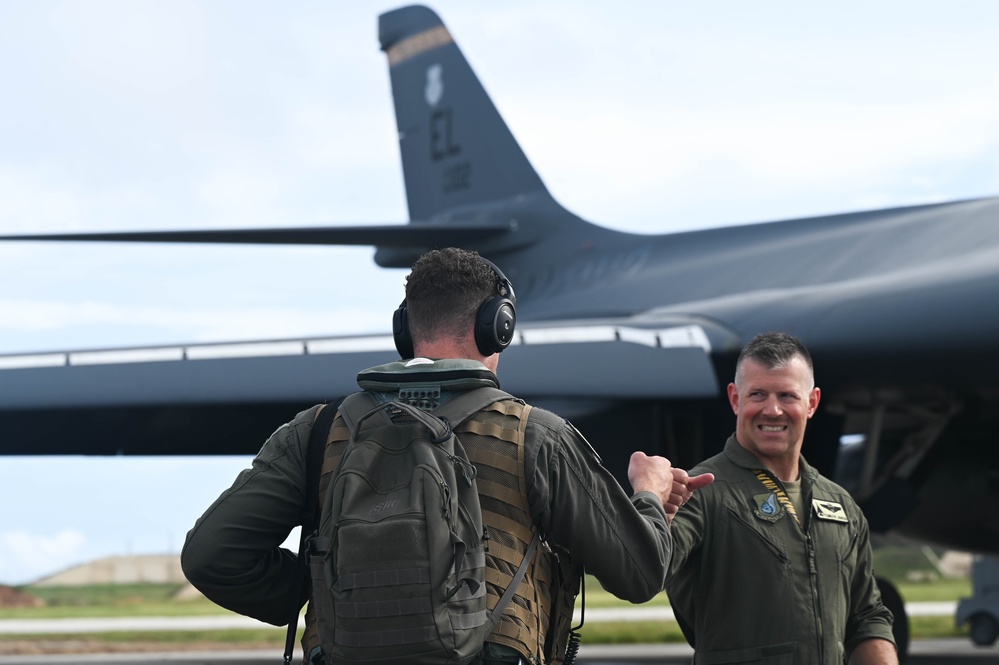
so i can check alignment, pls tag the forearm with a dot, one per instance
(875, 651)
(624, 542)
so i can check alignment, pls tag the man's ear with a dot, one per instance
(813, 401)
(733, 398)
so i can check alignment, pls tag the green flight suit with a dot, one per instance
(749, 584)
(233, 553)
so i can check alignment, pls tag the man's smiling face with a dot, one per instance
(772, 407)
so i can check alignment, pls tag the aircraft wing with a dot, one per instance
(227, 398)
(414, 234)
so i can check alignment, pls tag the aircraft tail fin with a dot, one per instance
(456, 149)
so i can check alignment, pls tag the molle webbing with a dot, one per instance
(493, 439)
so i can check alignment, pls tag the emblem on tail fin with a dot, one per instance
(435, 85)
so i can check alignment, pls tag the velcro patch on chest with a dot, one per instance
(768, 507)
(829, 510)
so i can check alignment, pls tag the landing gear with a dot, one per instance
(900, 628)
(984, 629)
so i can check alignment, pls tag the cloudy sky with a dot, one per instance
(164, 114)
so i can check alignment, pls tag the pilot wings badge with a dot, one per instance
(828, 510)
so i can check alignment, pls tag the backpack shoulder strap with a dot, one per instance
(464, 404)
(314, 461)
(354, 407)
(313, 468)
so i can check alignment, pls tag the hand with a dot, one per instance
(683, 488)
(651, 474)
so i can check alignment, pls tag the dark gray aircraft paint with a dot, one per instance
(633, 337)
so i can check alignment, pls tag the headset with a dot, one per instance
(494, 322)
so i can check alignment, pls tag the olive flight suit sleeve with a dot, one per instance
(867, 616)
(233, 553)
(688, 529)
(579, 505)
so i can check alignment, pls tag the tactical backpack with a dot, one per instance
(398, 561)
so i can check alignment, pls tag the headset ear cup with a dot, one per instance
(505, 324)
(494, 325)
(400, 332)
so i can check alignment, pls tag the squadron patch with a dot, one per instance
(828, 510)
(768, 507)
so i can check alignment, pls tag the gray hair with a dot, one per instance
(774, 350)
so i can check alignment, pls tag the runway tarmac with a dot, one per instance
(924, 652)
(235, 621)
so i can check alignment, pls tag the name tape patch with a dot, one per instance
(829, 510)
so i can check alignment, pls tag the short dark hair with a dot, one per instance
(773, 350)
(444, 291)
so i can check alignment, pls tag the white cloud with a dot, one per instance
(36, 198)
(150, 48)
(25, 556)
(245, 191)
